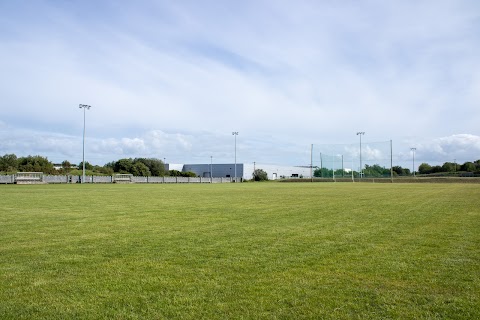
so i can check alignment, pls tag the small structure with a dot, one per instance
(123, 178)
(29, 178)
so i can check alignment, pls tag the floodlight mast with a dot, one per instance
(413, 160)
(84, 107)
(235, 133)
(361, 168)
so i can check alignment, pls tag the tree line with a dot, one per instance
(449, 167)
(378, 171)
(10, 163)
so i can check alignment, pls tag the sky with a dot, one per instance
(173, 79)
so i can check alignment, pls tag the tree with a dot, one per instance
(88, 166)
(156, 166)
(110, 165)
(424, 168)
(449, 167)
(8, 163)
(139, 169)
(322, 173)
(477, 165)
(189, 174)
(259, 175)
(375, 171)
(104, 170)
(468, 166)
(174, 173)
(66, 166)
(398, 170)
(436, 169)
(123, 166)
(35, 164)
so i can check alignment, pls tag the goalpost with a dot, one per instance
(352, 161)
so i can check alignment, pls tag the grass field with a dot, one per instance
(240, 251)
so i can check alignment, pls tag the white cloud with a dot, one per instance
(174, 79)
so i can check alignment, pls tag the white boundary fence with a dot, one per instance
(10, 179)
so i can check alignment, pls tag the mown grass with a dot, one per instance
(240, 251)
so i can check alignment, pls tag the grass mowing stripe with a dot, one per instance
(255, 250)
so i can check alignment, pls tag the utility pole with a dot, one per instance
(235, 133)
(360, 133)
(84, 107)
(413, 160)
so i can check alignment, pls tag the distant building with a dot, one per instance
(244, 170)
(58, 166)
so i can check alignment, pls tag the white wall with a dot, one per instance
(270, 169)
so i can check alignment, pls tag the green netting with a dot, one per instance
(344, 160)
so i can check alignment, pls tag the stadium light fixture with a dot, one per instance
(235, 133)
(361, 168)
(413, 160)
(84, 107)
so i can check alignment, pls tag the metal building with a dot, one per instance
(245, 170)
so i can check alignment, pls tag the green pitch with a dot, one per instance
(240, 251)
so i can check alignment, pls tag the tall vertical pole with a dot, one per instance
(361, 167)
(311, 162)
(333, 167)
(353, 179)
(211, 169)
(83, 157)
(235, 133)
(343, 168)
(321, 166)
(413, 160)
(84, 107)
(391, 160)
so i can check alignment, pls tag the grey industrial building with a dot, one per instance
(243, 170)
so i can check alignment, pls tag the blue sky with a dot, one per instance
(173, 79)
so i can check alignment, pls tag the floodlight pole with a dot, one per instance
(391, 161)
(235, 133)
(211, 169)
(311, 163)
(413, 160)
(321, 166)
(84, 107)
(333, 167)
(361, 168)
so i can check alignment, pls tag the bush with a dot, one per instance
(259, 175)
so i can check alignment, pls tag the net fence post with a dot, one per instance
(391, 161)
(311, 162)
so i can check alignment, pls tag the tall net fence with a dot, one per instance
(365, 160)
